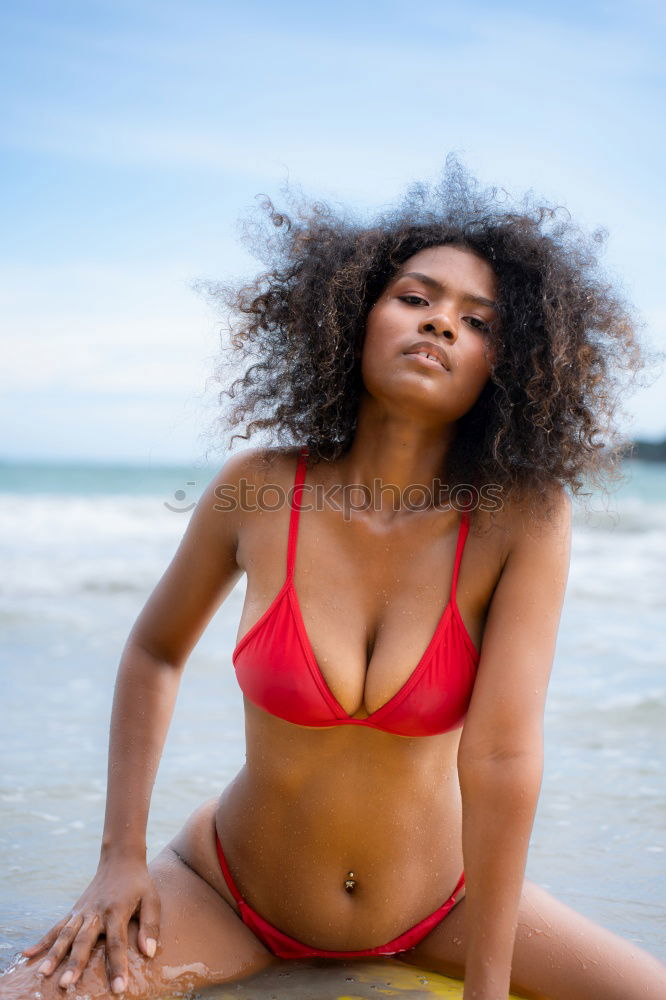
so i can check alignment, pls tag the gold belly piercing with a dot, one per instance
(350, 882)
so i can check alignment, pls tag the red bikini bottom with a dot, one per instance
(283, 946)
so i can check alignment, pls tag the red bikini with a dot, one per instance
(283, 946)
(277, 670)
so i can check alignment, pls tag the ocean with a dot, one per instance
(83, 546)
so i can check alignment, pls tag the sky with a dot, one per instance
(135, 134)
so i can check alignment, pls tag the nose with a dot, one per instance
(440, 325)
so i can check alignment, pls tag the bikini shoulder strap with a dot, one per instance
(463, 531)
(296, 497)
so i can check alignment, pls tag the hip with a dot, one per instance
(340, 892)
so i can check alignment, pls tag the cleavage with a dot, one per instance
(364, 666)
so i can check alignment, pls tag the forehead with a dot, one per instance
(453, 264)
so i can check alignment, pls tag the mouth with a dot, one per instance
(431, 354)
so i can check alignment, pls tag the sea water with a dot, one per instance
(81, 548)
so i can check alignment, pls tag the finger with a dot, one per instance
(116, 953)
(81, 950)
(48, 939)
(149, 924)
(61, 945)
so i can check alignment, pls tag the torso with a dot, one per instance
(312, 804)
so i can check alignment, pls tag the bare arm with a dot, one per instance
(199, 578)
(501, 750)
(201, 574)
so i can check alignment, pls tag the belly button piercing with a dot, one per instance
(350, 882)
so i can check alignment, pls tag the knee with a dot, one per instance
(22, 980)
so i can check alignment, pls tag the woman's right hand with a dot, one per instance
(120, 889)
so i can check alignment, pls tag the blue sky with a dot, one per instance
(135, 134)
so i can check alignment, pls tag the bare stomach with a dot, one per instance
(319, 804)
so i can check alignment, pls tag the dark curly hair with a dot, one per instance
(565, 345)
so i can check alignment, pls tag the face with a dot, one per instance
(442, 298)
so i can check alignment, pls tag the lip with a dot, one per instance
(434, 349)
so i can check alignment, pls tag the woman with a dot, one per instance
(451, 369)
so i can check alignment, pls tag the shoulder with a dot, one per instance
(258, 466)
(523, 530)
(542, 522)
(527, 523)
(243, 487)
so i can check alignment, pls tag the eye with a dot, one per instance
(482, 326)
(406, 298)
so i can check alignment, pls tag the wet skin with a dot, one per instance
(311, 804)
(351, 798)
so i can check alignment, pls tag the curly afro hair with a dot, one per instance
(565, 345)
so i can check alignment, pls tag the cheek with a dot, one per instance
(374, 351)
(483, 359)
(490, 356)
(475, 372)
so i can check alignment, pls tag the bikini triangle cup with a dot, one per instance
(277, 670)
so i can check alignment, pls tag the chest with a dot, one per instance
(367, 604)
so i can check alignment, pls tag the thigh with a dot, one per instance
(558, 954)
(202, 942)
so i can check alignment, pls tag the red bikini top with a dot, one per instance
(277, 670)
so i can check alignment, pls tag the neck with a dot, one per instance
(395, 457)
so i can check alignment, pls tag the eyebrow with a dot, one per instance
(425, 279)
